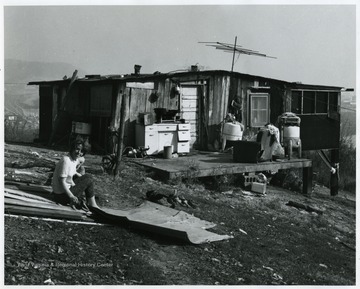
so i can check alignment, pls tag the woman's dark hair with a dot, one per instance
(75, 143)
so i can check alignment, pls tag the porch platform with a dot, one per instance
(205, 164)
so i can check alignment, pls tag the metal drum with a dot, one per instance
(231, 131)
(289, 124)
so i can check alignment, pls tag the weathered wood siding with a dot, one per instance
(217, 102)
(242, 95)
(277, 96)
(216, 91)
(142, 100)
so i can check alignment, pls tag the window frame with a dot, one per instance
(253, 95)
(301, 102)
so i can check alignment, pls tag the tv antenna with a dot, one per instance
(233, 48)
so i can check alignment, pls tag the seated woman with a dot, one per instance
(67, 183)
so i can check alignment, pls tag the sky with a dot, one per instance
(313, 44)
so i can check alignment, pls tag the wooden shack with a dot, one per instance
(201, 97)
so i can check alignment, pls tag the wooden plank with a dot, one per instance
(190, 110)
(164, 100)
(222, 95)
(216, 164)
(143, 85)
(31, 187)
(121, 133)
(50, 206)
(26, 195)
(144, 101)
(189, 92)
(17, 197)
(115, 119)
(87, 221)
(51, 213)
(219, 96)
(150, 105)
(235, 170)
(210, 101)
(25, 176)
(133, 104)
(226, 96)
(216, 104)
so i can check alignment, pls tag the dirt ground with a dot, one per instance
(272, 244)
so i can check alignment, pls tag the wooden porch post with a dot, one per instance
(307, 180)
(334, 178)
(120, 146)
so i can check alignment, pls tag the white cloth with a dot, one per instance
(268, 132)
(65, 168)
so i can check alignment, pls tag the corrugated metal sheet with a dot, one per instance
(165, 221)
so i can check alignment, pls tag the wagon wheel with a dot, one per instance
(108, 162)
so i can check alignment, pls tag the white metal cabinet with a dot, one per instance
(184, 137)
(166, 127)
(167, 136)
(167, 139)
(157, 136)
(147, 136)
(183, 147)
(184, 126)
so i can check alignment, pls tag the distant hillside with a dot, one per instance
(18, 74)
(25, 71)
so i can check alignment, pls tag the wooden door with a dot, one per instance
(190, 111)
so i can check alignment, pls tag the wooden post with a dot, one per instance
(307, 180)
(121, 130)
(334, 178)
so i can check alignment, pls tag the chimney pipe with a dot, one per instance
(137, 69)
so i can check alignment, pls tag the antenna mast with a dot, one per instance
(232, 65)
(234, 48)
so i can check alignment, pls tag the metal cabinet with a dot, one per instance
(147, 136)
(157, 136)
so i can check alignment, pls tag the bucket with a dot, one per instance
(167, 152)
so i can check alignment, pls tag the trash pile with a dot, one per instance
(171, 199)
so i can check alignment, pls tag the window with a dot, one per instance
(321, 102)
(309, 102)
(296, 102)
(333, 101)
(313, 102)
(259, 109)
